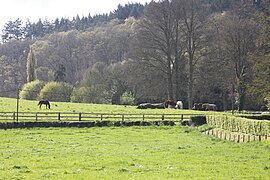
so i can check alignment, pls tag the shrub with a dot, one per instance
(92, 94)
(83, 95)
(127, 99)
(198, 120)
(56, 91)
(31, 90)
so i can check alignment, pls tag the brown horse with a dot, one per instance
(169, 104)
(46, 102)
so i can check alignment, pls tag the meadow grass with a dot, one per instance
(9, 105)
(128, 153)
(123, 153)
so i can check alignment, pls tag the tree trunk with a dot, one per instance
(170, 81)
(190, 88)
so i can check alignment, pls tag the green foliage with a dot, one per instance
(60, 74)
(56, 91)
(92, 94)
(30, 66)
(31, 90)
(259, 88)
(96, 84)
(127, 99)
(267, 99)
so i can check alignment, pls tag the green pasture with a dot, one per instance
(128, 153)
(10, 105)
(123, 152)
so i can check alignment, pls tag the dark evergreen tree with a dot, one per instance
(13, 30)
(56, 25)
(129, 10)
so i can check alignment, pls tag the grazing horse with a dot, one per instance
(204, 107)
(169, 104)
(47, 103)
(209, 107)
(179, 105)
(197, 106)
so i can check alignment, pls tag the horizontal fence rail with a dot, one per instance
(65, 116)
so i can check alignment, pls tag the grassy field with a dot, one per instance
(128, 153)
(123, 153)
(9, 105)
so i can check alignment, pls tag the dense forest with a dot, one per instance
(215, 51)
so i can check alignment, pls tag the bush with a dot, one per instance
(92, 94)
(198, 120)
(56, 91)
(31, 90)
(83, 95)
(127, 99)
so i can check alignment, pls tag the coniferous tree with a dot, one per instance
(13, 30)
(30, 67)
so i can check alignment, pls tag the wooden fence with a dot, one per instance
(236, 137)
(64, 116)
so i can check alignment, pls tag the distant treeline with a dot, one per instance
(208, 51)
(16, 29)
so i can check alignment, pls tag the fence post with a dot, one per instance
(162, 117)
(36, 116)
(59, 117)
(80, 116)
(14, 116)
(182, 117)
(123, 118)
(142, 117)
(101, 117)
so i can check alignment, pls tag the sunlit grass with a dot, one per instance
(128, 153)
(10, 105)
(123, 153)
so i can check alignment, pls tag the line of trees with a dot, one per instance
(16, 30)
(213, 51)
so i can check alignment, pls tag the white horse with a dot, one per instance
(179, 105)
